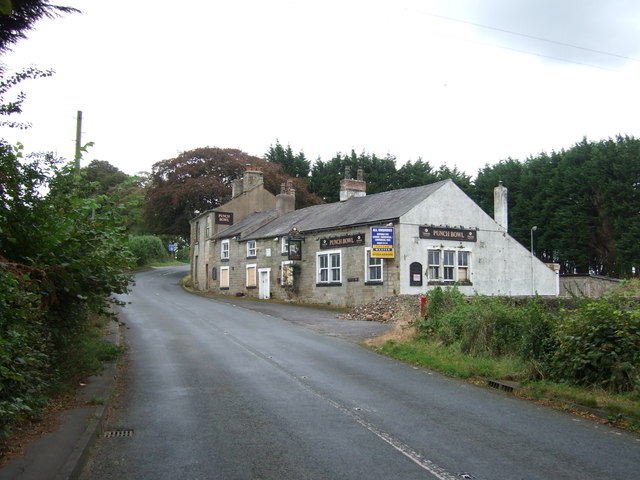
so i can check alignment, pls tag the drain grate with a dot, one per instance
(120, 433)
(504, 386)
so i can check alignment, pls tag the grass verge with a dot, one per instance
(621, 410)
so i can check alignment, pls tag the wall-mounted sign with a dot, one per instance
(295, 249)
(224, 218)
(344, 241)
(441, 233)
(382, 242)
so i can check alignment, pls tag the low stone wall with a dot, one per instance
(586, 285)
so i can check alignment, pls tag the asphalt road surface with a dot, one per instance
(216, 391)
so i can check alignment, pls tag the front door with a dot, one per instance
(264, 287)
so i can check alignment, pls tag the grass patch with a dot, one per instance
(449, 360)
(622, 410)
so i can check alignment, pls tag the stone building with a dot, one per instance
(362, 248)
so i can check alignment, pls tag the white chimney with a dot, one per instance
(500, 208)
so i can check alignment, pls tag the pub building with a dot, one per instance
(363, 247)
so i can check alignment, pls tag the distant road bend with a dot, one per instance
(217, 391)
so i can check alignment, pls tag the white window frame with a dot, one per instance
(449, 267)
(464, 265)
(223, 275)
(224, 250)
(283, 265)
(284, 245)
(368, 265)
(433, 268)
(330, 268)
(255, 275)
(252, 249)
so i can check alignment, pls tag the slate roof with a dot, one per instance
(379, 207)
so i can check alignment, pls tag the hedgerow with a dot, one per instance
(62, 257)
(592, 342)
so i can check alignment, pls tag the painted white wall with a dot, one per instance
(499, 265)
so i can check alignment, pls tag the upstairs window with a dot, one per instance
(224, 250)
(284, 245)
(251, 248)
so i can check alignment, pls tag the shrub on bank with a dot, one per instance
(147, 249)
(595, 343)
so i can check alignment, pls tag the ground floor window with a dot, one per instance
(329, 267)
(433, 260)
(286, 278)
(373, 267)
(251, 279)
(224, 277)
(448, 266)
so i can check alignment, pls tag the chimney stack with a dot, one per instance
(500, 208)
(350, 188)
(286, 200)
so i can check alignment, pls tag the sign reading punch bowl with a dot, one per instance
(382, 242)
(441, 233)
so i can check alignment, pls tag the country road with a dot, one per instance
(218, 391)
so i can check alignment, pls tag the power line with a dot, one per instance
(532, 37)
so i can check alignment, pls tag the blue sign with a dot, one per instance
(382, 242)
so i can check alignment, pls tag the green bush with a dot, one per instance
(62, 256)
(147, 249)
(598, 344)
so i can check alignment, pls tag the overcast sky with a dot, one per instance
(455, 82)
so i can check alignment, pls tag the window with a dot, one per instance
(285, 245)
(453, 267)
(251, 276)
(448, 264)
(373, 266)
(224, 250)
(251, 248)
(286, 279)
(463, 266)
(224, 277)
(434, 264)
(208, 230)
(197, 232)
(329, 269)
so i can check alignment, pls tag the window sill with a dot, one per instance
(374, 282)
(224, 259)
(251, 257)
(329, 284)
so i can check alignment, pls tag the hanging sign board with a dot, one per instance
(382, 242)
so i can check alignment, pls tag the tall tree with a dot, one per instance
(294, 165)
(19, 16)
(200, 180)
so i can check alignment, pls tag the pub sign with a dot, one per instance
(343, 241)
(442, 233)
(224, 218)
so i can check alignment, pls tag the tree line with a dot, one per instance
(584, 202)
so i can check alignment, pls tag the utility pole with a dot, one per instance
(78, 139)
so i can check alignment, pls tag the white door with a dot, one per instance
(264, 287)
